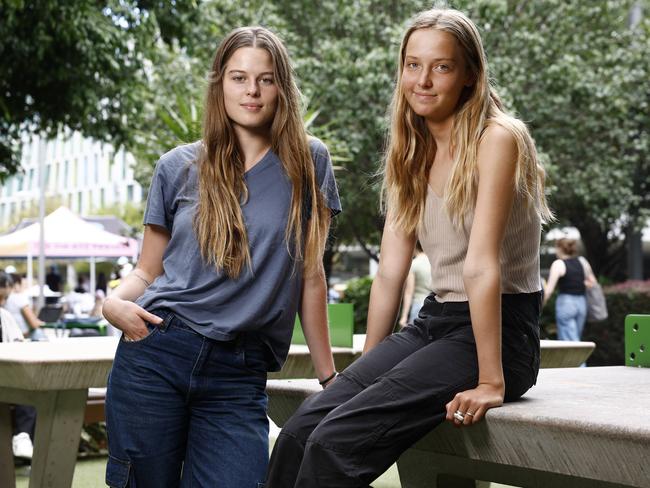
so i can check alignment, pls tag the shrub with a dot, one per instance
(358, 293)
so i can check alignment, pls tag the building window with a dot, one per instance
(102, 197)
(47, 176)
(96, 168)
(86, 170)
(124, 165)
(129, 193)
(80, 198)
(30, 180)
(66, 173)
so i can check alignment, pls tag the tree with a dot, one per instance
(79, 65)
(578, 75)
(574, 71)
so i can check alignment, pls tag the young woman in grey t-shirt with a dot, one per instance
(235, 228)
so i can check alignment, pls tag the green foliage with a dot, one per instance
(632, 297)
(78, 64)
(134, 71)
(132, 214)
(358, 293)
(577, 73)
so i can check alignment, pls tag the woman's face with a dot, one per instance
(249, 90)
(434, 74)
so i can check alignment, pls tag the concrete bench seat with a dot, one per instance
(577, 428)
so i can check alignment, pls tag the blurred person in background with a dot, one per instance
(417, 286)
(572, 274)
(23, 416)
(19, 304)
(53, 279)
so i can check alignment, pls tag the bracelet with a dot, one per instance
(329, 378)
(140, 277)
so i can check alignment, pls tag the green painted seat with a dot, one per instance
(637, 341)
(341, 325)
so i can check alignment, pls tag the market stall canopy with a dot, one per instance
(66, 236)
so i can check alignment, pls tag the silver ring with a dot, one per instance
(460, 416)
(469, 413)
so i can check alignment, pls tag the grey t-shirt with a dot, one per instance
(265, 300)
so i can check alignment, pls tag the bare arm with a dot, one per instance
(482, 272)
(394, 263)
(558, 269)
(407, 299)
(119, 308)
(313, 317)
(30, 317)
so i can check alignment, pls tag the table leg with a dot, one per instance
(59, 418)
(7, 472)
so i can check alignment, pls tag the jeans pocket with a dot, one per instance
(117, 472)
(153, 329)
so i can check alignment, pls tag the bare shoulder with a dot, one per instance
(559, 266)
(498, 139)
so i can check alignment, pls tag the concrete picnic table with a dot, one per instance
(554, 354)
(577, 428)
(54, 377)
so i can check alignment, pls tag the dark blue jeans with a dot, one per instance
(348, 434)
(183, 410)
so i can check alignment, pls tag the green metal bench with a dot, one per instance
(637, 341)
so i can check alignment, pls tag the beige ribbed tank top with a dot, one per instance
(446, 248)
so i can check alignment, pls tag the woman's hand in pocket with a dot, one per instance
(129, 317)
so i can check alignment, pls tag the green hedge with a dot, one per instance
(358, 293)
(609, 335)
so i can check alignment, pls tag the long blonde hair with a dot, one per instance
(219, 222)
(411, 148)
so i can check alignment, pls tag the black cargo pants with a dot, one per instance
(350, 433)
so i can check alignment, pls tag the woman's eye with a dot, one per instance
(267, 81)
(238, 78)
(412, 65)
(442, 68)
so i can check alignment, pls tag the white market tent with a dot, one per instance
(67, 236)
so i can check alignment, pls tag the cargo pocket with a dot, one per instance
(117, 472)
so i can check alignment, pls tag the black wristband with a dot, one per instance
(329, 378)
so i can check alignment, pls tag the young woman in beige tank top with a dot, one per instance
(462, 175)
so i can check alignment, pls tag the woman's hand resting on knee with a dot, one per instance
(129, 317)
(469, 406)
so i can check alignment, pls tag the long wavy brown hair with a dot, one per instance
(219, 222)
(411, 148)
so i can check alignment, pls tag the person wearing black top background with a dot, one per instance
(573, 275)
